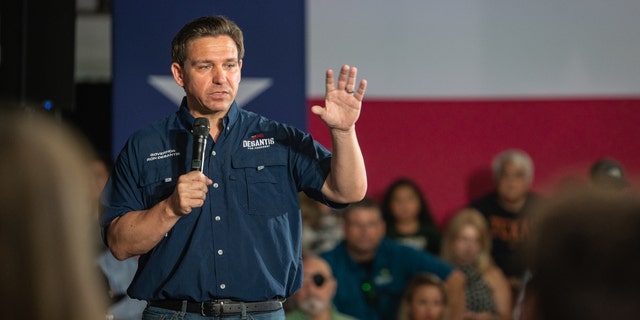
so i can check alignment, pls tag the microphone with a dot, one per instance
(200, 133)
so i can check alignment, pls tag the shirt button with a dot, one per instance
(215, 185)
(217, 218)
(220, 252)
(213, 153)
(222, 286)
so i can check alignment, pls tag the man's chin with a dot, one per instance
(219, 106)
(362, 248)
(313, 306)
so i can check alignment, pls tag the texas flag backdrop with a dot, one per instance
(451, 83)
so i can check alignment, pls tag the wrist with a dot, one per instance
(343, 131)
(169, 211)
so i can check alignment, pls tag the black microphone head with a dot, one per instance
(201, 127)
(200, 133)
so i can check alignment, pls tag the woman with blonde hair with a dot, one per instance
(424, 298)
(48, 269)
(467, 245)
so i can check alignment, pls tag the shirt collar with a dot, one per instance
(232, 116)
(228, 121)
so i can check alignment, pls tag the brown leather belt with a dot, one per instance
(217, 308)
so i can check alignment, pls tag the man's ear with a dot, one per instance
(178, 73)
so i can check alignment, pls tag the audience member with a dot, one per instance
(48, 268)
(408, 218)
(583, 257)
(321, 226)
(117, 274)
(608, 173)
(467, 245)
(373, 271)
(505, 210)
(424, 298)
(314, 301)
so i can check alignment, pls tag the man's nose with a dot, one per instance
(219, 75)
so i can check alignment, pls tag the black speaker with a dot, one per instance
(37, 47)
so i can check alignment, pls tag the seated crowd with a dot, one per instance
(391, 261)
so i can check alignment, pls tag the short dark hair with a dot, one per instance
(608, 173)
(207, 26)
(366, 203)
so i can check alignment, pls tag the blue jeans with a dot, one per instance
(155, 313)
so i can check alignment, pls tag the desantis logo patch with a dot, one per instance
(258, 141)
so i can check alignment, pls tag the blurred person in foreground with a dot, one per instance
(424, 298)
(117, 274)
(583, 255)
(314, 301)
(221, 236)
(48, 258)
(373, 271)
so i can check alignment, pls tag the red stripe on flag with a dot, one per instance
(447, 146)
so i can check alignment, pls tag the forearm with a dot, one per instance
(501, 294)
(347, 180)
(454, 286)
(137, 232)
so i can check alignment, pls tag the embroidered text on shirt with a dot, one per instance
(162, 154)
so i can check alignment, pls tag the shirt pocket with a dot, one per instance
(263, 181)
(157, 183)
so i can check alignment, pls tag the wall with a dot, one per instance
(447, 146)
(453, 83)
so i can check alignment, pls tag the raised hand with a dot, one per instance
(342, 101)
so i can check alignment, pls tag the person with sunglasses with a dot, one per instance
(314, 300)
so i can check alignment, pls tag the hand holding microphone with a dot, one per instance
(190, 192)
(191, 189)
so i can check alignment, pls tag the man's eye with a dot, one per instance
(204, 67)
(230, 65)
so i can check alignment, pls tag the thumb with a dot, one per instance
(317, 110)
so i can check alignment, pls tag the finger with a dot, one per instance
(329, 85)
(195, 176)
(351, 80)
(318, 110)
(200, 177)
(342, 78)
(361, 90)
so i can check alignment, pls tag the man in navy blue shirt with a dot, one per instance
(226, 242)
(373, 271)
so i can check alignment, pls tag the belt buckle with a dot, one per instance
(212, 308)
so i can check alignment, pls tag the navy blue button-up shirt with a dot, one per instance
(244, 242)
